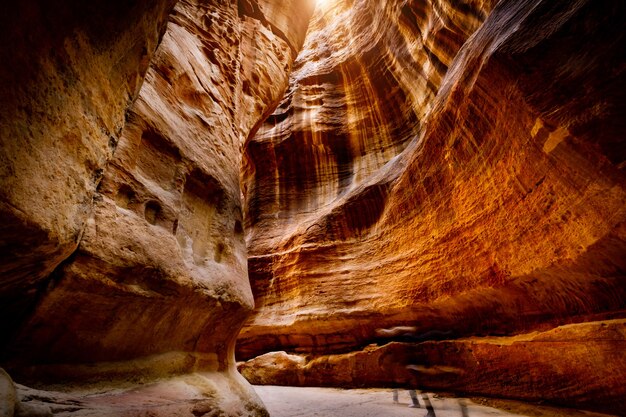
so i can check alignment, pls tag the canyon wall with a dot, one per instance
(70, 70)
(154, 284)
(453, 166)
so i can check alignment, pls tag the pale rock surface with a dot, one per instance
(8, 396)
(201, 394)
(158, 285)
(70, 71)
(454, 166)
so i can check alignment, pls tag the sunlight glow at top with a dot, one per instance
(323, 4)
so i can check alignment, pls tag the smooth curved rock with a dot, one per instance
(199, 394)
(70, 70)
(8, 396)
(450, 166)
(158, 285)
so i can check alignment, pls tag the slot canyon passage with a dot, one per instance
(353, 194)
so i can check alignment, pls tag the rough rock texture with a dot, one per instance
(158, 285)
(454, 166)
(70, 70)
(527, 365)
(163, 249)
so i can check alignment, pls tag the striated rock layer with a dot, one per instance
(158, 284)
(454, 166)
(527, 365)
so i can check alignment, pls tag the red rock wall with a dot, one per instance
(526, 367)
(452, 166)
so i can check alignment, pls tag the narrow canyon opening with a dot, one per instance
(198, 196)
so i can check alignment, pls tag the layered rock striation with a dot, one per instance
(453, 166)
(526, 366)
(313, 174)
(155, 282)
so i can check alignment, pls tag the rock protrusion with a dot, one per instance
(8, 395)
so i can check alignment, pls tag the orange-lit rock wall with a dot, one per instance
(454, 166)
(539, 366)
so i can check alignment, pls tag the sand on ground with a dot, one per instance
(330, 402)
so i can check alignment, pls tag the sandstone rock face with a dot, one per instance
(158, 285)
(70, 70)
(528, 366)
(312, 174)
(165, 243)
(451, 165)
(454, 166)
(8, 396)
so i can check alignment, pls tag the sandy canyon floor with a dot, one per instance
(328, 402)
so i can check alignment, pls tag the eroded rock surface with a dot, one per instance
(454, 166)
(158, 285)
(70, 70)
(529, 366)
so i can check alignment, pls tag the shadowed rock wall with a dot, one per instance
(454, 166)
(158, 286)
(70, 70)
